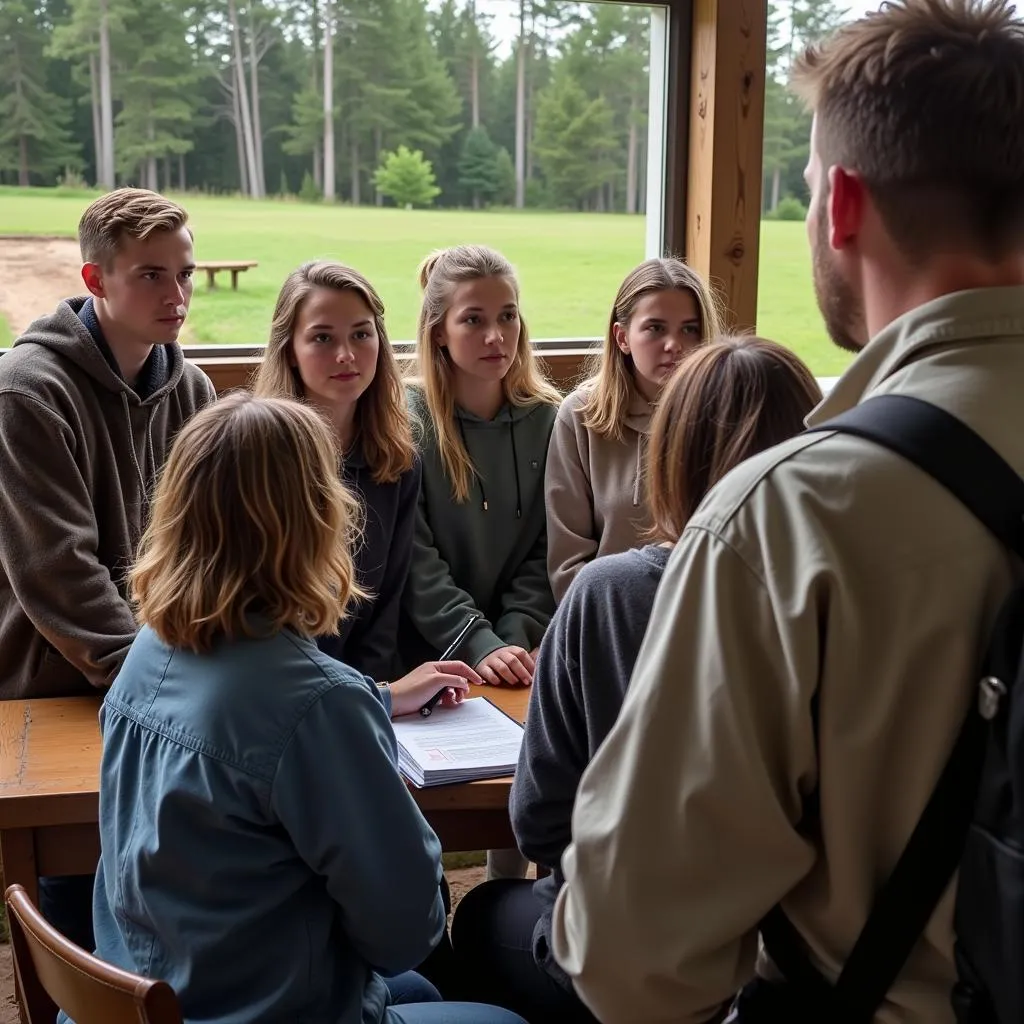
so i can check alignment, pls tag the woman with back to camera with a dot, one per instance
(727, 401)
(259, 849)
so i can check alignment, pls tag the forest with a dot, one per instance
(366, 102)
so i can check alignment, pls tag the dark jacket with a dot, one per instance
(583, 671)
(368, 637)
(79, 453)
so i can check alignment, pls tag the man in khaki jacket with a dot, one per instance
(827, 571)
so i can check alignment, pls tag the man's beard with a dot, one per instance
(840, 309)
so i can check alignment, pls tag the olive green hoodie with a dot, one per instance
(79, 452)
(488, 553)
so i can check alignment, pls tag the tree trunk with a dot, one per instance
(254, 85)
(106, 172)
(378, 148)
(152, 180)
(318, 166)
(181, 171)
(354, 170)
(631, 161)
(97, 131)
(329, 188)
(521, 110)
(776, 185)
(243, 104)
(167, 172)
(23, 179)
(243, 170)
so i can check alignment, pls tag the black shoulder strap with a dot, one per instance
(948, 450)
(952, 453)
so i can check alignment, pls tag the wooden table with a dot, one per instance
(213, 268)
(49, 791)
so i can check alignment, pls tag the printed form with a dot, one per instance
(475, 740)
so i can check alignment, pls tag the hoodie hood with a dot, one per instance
(638, 413)
(64, 333)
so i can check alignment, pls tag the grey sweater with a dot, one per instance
(583, 671)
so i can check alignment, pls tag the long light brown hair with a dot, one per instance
(524, 384)
(381, 417)
(610, 385)
(893, 88)
(249, 522)
(726, 401)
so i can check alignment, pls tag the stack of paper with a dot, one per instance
(475, 740)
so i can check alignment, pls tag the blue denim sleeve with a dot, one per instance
(338, 793)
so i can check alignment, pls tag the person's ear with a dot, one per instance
(92, 275)
(439, 337)
(847, 200)
(621, 337)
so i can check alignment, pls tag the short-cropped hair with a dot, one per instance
(923, 100)
(125, 213)
(251, 528)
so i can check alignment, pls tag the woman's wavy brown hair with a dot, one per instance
(525, 384)
(725, 402)
(610, 383)
(250, 530)
(382, 420)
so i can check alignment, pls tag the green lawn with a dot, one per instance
(570, 264)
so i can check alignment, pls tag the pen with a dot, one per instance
(452, 648)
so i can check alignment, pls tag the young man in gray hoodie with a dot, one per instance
(91, 397)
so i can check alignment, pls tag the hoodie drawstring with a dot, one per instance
(515, 467)
(639, 469)
(144, 508)
(479, 482)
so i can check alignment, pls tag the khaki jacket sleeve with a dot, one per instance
(569, 498)
(684, 823)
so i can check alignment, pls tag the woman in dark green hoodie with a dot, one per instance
(484, 414)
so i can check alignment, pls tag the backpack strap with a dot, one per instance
(953, 454)
(948, 450)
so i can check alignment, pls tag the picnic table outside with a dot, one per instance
(213, 268)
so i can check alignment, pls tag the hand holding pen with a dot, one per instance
(427, 708)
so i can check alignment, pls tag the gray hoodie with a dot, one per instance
(594, 489)
(79, 453)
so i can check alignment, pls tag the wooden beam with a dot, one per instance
(564, 367)
(726, 123)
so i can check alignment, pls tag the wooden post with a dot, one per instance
(726, 128)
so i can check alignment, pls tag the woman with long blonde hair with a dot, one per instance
(329, 346)
(259, 849)
(727, 401)
(484, 413)
(594, 482)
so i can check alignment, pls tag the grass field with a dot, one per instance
(570, 264)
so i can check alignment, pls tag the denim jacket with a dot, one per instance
(260, 851)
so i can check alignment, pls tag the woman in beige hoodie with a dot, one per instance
(593, 481)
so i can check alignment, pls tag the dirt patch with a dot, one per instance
(35, 274)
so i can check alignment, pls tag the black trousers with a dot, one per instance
(492, 935)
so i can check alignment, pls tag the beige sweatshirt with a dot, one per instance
(593, 487)
(826, 567)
